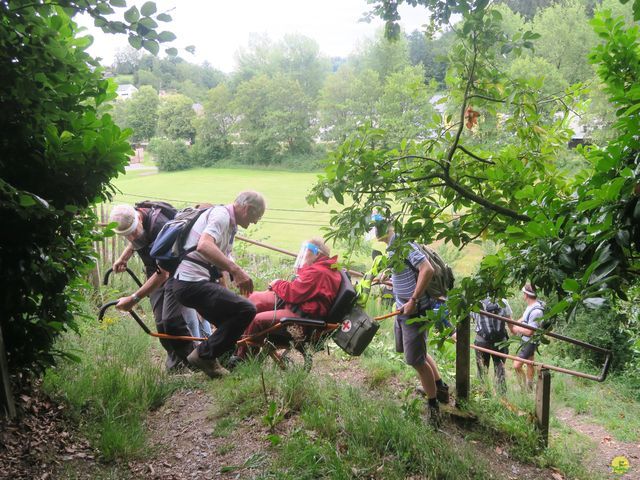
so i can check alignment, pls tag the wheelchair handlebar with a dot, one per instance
(105, 280)
(135, 316)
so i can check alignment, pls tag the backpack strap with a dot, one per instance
(214, 272)
(415, 246)
(538, 307)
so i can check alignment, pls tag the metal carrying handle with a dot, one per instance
(105, 280)
(144, 327)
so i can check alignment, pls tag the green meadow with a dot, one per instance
(288, 220)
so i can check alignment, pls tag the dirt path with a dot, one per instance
(187, 443)
(607, 447)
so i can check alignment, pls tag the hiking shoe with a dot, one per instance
(211, 368)
(180, 368)
(234, 361)
(442, 392)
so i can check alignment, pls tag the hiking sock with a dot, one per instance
(433, 402)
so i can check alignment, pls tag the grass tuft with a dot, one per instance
(113, 387)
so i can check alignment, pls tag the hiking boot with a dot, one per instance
(211, 368)
(442, 392)
(234, 361)
(180, 368)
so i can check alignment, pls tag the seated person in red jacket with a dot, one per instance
(310, 294)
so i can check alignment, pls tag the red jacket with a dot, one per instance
(314, 289)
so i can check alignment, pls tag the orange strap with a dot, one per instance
(255, 336)
(392, 314)
(177, 337)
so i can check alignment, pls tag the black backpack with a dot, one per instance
(491, 329)
(158, 206)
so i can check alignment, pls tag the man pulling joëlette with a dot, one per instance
(193, 283)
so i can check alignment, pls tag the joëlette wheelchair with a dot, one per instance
(304, 335)
(135, 316)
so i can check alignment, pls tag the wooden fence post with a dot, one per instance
(543, 395)
(463, 359)
(6, 400)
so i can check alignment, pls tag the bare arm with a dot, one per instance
(120, 264)
(517, 330)
(425, 274)
(208, 249)
(153, 282)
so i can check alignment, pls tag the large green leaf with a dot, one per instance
(132, 15)
(149, 8)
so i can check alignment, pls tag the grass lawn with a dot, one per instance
(288, 220)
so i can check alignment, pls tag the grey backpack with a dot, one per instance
(442, 280)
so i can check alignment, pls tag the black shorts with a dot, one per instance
(526, 350)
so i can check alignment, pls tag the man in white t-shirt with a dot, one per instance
(194, 282)
(531, 316)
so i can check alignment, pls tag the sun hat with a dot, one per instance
(126, 217)
(529, 290)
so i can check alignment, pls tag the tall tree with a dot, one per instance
(301, 60)
(431, 53)
(404, 109)
(295, 56)
(127, 60)
(214, 129)
(528, 8)
(274, 118)
(176, 118)
(142, 114)
(566, 39)
(383, 55)
(348, 100)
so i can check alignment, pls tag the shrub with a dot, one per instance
(57, 156)
(155, 144)
(172, 155)
(207, 155)
(602, 327)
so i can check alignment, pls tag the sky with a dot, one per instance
(219, 28)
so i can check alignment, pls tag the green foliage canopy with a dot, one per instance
(576, 238)
(57, 156)
(176, 118)
(141, 113)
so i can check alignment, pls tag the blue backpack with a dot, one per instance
(168, 248)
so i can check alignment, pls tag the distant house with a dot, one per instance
(580, 133)
(439, 106)
(125, 91)
(198, 108)
(579, 136)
